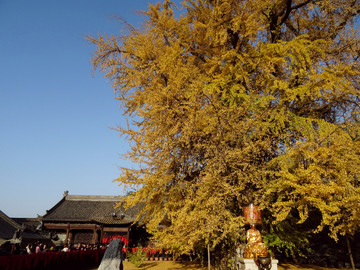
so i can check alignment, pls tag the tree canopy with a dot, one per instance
(239, 101)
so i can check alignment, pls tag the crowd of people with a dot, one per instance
(47, 256)
(38, 247)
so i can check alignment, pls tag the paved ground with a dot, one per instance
(170, 265)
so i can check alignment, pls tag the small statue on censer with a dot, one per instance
(254, 246)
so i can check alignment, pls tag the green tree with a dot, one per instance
(235, 102)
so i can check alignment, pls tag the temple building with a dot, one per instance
(21, 231)
(91, 220)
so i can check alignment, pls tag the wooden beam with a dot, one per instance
(116, 229)
(64, 226)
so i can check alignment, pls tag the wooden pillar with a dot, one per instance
(101, 233)
(94, 235)
(67, 234)
(71, 237)
(128, 235)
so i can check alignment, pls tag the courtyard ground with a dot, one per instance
(174, 265)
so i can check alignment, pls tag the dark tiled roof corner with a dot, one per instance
(7, 226)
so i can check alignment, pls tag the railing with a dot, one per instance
(53, 260)
(151, 253)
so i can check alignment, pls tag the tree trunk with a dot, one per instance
(350, 253)
(208, 250)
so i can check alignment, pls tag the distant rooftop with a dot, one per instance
(7, 227)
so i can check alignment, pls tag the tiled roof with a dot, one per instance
(7, 226)
(30, 223)
(25, 232)
(90, 209)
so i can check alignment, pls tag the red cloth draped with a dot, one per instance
(52, 260)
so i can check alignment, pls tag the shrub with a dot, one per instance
(138, 257)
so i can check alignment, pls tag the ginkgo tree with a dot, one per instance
(237, 101)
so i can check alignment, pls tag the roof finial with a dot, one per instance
(66, 192)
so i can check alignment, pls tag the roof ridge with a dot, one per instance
(9, 220)
(92, 198)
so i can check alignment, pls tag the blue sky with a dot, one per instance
(55, 116)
